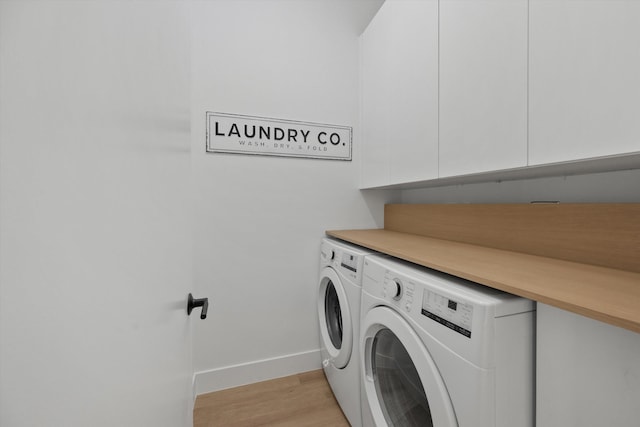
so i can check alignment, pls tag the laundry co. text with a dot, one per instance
(269, 133)
(234, 133)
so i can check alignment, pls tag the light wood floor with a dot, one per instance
(303, 400)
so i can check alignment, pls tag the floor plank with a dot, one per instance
(302, 400)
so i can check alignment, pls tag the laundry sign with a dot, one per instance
(235, 133)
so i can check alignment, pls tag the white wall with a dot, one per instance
(259, 219)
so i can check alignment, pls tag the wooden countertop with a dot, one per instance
(606, 294)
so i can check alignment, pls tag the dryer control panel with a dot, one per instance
(454, 314)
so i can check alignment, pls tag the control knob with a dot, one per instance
(396, 289)
(329, 254)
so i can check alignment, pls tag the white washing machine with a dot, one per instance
(441, 351)
(339, 294)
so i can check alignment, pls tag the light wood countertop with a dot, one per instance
(606, 294)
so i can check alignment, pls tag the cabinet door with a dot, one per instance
(413, 137)
(376, 73)
(588, 372)
(584, 79)
(400, 93)
(483, 85)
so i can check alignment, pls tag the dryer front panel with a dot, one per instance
(336, 329)
(402, 385)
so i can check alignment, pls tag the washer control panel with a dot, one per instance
(342, 260)
(409, 290)
(350, 261)
(455, 315)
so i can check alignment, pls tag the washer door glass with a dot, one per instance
(398, 385)
(402, 385)
(336, 329)
(333, 315)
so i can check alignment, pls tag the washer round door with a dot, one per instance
(336, 331)
(402, 384)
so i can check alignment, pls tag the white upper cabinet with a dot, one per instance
(413, 145)
(459, 87)
(584, 79)
(483, 85)
(376, 72)
(400, 93)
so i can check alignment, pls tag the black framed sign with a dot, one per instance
(241, 134)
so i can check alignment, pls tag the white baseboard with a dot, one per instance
(252, 372)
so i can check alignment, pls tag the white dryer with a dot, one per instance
(339, 294)
(441, 351)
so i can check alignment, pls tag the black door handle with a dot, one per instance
(199, 302)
